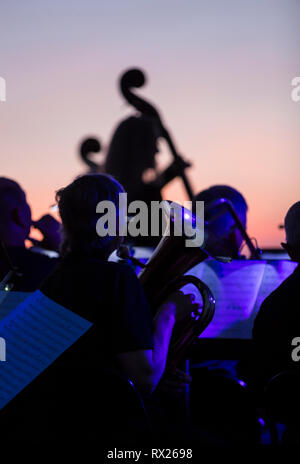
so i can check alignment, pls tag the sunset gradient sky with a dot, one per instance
(219, 71)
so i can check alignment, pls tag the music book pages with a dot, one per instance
(36, 332)
(10, 300)
(239, 289)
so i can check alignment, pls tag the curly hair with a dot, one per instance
(77, 207)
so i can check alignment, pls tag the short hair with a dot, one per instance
(77, 207)
(292, 225)
(224, 191)
(11, 186)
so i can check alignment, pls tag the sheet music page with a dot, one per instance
(235, 287)
(35, 334)
(10, 300)
(276, 271)
(239, 289)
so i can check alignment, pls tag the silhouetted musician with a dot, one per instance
(15, 226)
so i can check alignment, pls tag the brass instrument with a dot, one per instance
(164, 274)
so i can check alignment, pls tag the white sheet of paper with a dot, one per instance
(239, 289)
(36, 333)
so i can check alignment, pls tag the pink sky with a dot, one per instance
(221, 76)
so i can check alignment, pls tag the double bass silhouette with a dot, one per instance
(133, 147)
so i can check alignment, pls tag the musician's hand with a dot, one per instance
(184, 304)
(174, 382)
(175, 169)
(51, 230)
(167, 309)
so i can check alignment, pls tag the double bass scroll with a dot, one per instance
(87, 147)
(135, 78)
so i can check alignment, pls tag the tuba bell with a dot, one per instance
(164, 274)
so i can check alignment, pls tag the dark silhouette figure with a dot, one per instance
(133, 148)
(15, 226)
(223, 236)
(131, 152)
(277, 323)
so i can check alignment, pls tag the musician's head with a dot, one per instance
(292, 231)
(77, 205)
(133, 148)
(15, 213)
(223, 236)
